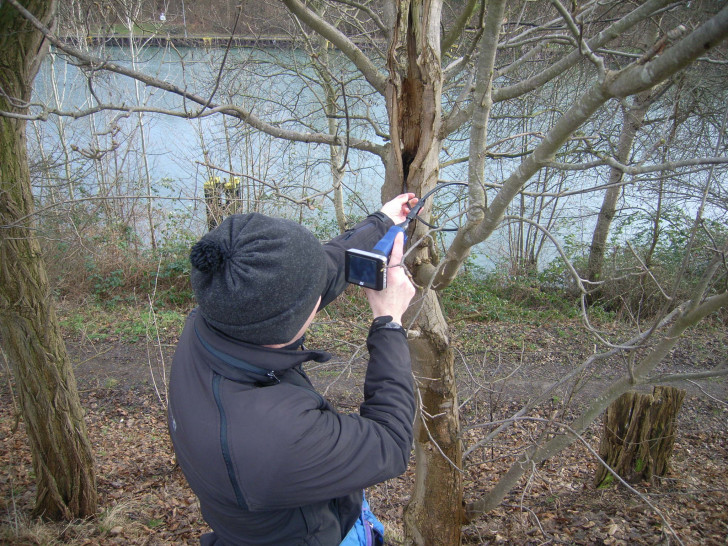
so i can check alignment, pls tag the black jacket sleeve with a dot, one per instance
(363, 236)
(316, 453)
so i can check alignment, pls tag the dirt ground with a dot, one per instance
(144, 498)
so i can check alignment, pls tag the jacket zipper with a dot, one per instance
(224, 445)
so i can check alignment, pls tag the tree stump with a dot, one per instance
(638, 435)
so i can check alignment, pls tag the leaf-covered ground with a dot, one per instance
(144, 498)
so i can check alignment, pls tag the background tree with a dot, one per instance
(62, 456)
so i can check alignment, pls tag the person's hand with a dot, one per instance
(398, 208)
(395, 298)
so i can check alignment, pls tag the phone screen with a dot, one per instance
(366, 269)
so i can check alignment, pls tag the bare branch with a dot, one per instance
(719, 371)
(369, 11)
(632, 79)
(637, 170)
(372, 74)
(641, 76)
(578, 36)
(482, 107)
(208, 108)
(610, 33)
(457, 28)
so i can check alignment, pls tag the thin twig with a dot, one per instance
(647, 270)
(348, 129)
(151, 298)
(584, 48)
(706, 393)
(224, 60)
(347, 367)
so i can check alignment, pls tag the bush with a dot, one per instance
(630, 290)
(110, 264)
(477, 295)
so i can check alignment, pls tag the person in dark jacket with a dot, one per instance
(270, 460)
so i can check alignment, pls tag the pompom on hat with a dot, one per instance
(258, 278)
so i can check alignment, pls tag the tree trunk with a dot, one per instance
(62, 456)
(633, 119)
(638, 436)
(433, 514)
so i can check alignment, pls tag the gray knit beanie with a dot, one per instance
(257, 278)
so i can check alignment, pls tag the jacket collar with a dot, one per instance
(276, 360)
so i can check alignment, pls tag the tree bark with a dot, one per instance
(438, 453)
(62, 456)
(639, 434)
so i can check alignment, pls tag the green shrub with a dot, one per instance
(628, 289)
(477, 295)
(126, 322)
(88, 258)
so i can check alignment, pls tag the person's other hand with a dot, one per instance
(395, 298)
(398, 208)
